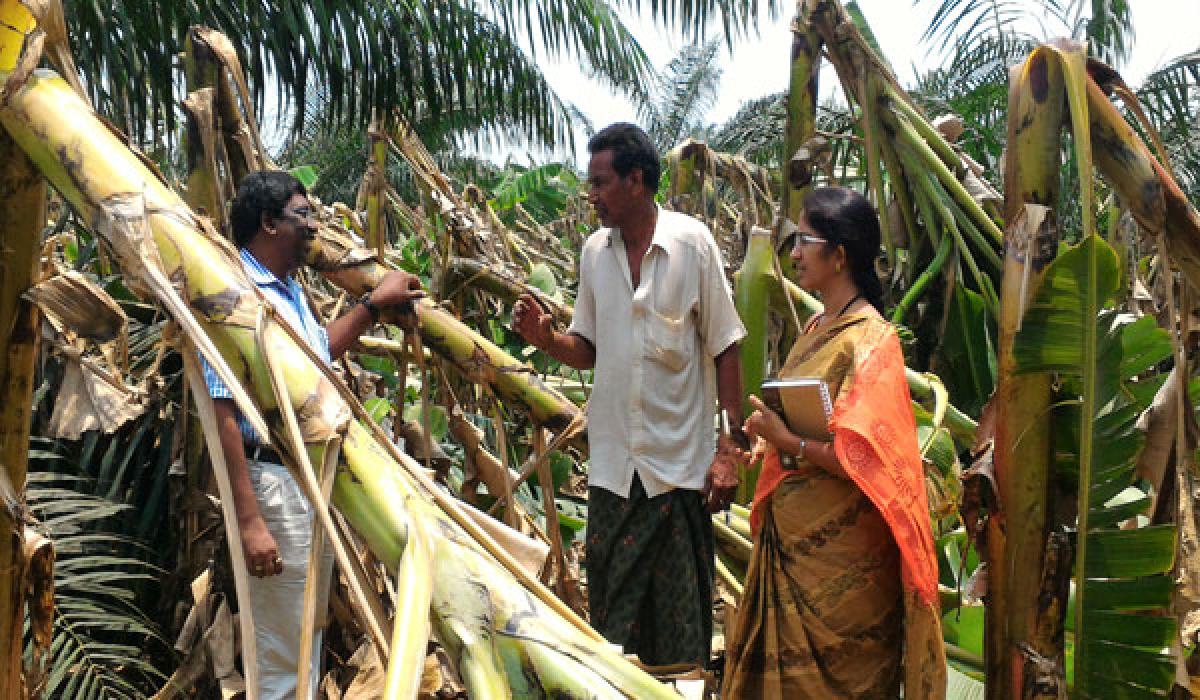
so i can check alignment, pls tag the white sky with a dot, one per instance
(1163, 30)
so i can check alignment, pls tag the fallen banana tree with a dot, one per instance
(478, 359)
(508, 634)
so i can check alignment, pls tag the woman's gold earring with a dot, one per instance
(837, 267)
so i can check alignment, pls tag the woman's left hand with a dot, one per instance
(765, 423)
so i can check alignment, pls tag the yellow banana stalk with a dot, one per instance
(374, 186)
(411, 628)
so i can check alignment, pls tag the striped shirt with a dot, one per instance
(289, 301)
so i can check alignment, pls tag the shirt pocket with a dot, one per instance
(669, 341)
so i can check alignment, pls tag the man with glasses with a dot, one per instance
(273, 223)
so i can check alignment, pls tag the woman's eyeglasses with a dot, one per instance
(801, 238)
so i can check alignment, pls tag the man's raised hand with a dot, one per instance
(532, 322)
(396, 292)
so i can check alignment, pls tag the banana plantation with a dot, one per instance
(1041, 263)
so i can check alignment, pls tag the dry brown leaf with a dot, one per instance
(39, 587)
(91, 398)
(74, 304)
(529, 553)
(367, 673)
(220, 643)
(950, 126)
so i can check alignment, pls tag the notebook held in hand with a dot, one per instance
(803, 403)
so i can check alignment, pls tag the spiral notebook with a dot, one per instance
(803, 402)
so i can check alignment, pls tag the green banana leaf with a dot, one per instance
(968, 353)
(1121, 576)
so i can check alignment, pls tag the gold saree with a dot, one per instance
(841, 594)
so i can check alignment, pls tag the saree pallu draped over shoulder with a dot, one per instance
(841, 594)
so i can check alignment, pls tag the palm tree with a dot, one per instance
(460, 62)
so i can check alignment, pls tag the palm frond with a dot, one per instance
(1110, 30)
(102, 642)
(452, 60)
(737, 17)
(756, 131)
(1171, 98)
(967, 22)
(683, 95)
(973, 84)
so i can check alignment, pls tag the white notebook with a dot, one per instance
(803, 402)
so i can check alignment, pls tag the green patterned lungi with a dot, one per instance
(650, 573)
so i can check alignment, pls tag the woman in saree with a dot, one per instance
(841, 593)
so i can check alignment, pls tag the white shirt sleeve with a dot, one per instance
(718, 321)
(584, 321)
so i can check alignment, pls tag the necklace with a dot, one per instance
(824, 319)
(853, 299)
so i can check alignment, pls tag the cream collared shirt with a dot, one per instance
(654, 395)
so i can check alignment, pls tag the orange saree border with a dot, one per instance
(875, 438)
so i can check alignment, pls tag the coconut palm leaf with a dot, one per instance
(737, 17)
(973, 84)
(444, 58)
(1117, 571)
(967, 22)
(1109, 30)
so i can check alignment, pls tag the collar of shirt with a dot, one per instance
(289, 300)
(261, 276)
(658, 240)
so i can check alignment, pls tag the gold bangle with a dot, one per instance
(792, 461)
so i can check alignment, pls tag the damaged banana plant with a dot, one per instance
(507, 633)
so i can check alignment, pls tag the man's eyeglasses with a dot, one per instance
(303, 213)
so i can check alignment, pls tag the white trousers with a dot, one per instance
(278, 601)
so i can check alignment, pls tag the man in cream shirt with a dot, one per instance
(655, 318)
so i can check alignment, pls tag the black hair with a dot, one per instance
(845, 217)
(632, 148)
(261, 191)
